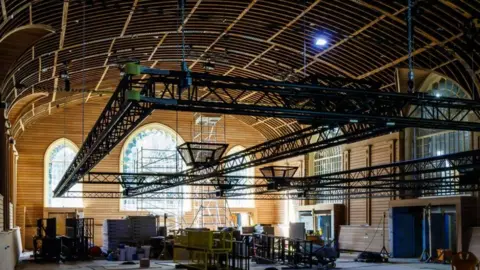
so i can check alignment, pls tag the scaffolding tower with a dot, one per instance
(153, 161)
(209, 128)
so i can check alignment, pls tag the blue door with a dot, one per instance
(404, 241)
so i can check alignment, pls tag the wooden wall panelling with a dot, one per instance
(1, 214)
(368, 201)
(74, 121)
(346, 166)
(384, 152)
(376, 151)
(360, 238)
(357, 206)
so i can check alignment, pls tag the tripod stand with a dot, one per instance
(427, 217)
(165, 255)
(384, 252)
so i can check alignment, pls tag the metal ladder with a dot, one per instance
(209, 213)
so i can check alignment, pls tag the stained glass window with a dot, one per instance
(58, 157)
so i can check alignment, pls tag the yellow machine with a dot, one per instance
(203, 249)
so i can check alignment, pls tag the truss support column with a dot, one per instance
(368, 163)
(346, 166)
(4, 181)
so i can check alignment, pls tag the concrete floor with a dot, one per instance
(345, 262)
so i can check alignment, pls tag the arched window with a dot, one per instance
(249, 202)
(153, 149)
(433, 142)
(328, 161)
(57, 159)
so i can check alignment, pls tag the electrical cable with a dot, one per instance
(411, 76)
(375, 234)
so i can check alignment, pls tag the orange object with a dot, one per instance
(444, 255)
(315, 239)
(464, 261)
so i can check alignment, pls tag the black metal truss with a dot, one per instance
(420, 174)
(127, 180)
(312, 102)
(419, 169)
(387, 180)
(332, 194)
(302, 142)
(441, 185)
(120, 116)
(321, 105)
(416, 175)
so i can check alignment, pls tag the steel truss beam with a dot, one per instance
(423, 175)
(334, 194)
(311, 102)
(302, 142)
(120, 117)
(452, 186)
(419, 169)
(136, 179)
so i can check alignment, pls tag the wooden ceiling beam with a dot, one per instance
(239, 17)
(64, 24)
(109, 52)
(55, 87)
(444, 64)
(149, 34)
(405, 57)
(30, 14)
(434, 41)
(456, 7)
(4, 10)
(107, 67)
(189, 15)
(229, 71)
(54, 67)
(387, 85)
(129, 18)
(353, 35)
(110, 49)
(288, 25)
(259, 56)
(158, 46)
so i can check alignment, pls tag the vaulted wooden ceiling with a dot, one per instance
(269, 39)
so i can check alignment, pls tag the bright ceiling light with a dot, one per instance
(321, 41)
(438, 94)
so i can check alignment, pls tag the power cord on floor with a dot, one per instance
(376, 230)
